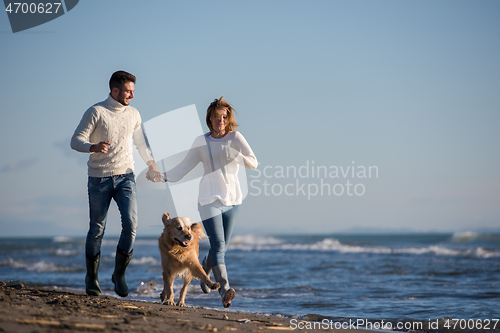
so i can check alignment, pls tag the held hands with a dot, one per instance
(153, 174)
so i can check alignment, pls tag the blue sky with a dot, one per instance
(410, 87)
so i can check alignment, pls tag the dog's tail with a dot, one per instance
(165, 218)
(197, 228)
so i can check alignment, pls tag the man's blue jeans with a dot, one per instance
(218, 221)
(122, 189)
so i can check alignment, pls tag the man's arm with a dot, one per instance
(80, 139)
(153, 173)
(142, 144)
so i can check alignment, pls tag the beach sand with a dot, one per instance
(31, 309)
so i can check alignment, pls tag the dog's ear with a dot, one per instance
(166, 219)
(197, 228)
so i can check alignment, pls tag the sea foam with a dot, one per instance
(266, 243)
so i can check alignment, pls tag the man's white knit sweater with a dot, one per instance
(119, 124)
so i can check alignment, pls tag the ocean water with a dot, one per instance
(374, 277)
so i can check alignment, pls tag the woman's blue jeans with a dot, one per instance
(122, 189)
(218, 221)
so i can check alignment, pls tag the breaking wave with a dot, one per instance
(145, 261)
(265, 243)
(464, 236)
(61, 239)
(39, 267)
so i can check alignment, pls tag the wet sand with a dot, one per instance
(31, 309)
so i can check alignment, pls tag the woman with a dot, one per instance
(221, 151)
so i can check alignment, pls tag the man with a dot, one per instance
(106, 132)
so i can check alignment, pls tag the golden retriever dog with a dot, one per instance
(179, 249)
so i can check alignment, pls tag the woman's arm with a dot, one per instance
(245, 155)
(188, 163)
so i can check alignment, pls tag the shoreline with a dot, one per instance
(26, 309)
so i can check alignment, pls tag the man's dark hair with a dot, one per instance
(119, 78)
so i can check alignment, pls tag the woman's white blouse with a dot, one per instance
(220, 176)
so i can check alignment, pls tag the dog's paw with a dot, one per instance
(169, 302)
(215, 286)
(181, 304)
